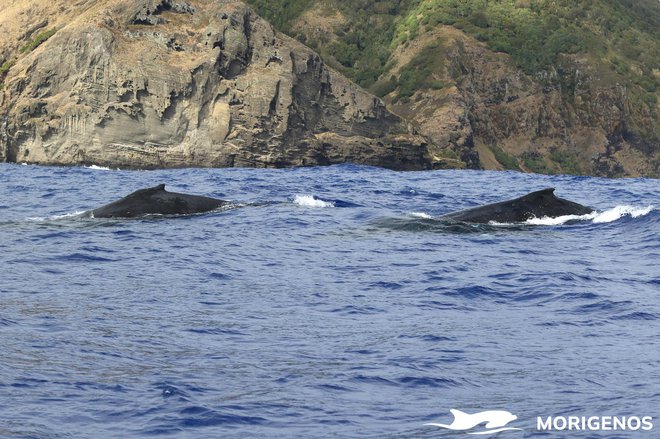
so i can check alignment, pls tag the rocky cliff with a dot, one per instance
(173, 83)
(571, 119)
(542, 86)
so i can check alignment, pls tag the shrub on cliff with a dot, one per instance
(37, 40)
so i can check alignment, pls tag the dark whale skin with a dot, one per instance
(156, 201)
(543, 203)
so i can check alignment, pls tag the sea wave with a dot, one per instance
(311, 201)
(421, 215)
(284, 321)
(98, 168)
(606, 216)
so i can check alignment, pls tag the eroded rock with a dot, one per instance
(206, 83)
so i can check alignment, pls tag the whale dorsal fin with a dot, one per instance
(149, 190)
(540, 194)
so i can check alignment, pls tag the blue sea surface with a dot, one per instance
(327, 302)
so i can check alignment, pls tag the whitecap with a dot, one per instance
(556, 221)
(97, 168)
(421, 215)
(606, 216)
(311, 201)
(620, 211)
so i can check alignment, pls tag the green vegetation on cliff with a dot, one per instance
(534, 33)
(625, 34)
(601, 56)
(37, 41)
(4, 68)
(281, 13)
(361, 45)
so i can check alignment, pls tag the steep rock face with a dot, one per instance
(173, 83)
(573, 119)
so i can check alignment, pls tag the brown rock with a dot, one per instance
(173, 83)
(572, 119)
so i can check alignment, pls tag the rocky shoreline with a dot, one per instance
(201, 83)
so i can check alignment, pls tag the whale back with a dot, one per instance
(538, 204)
(156, 201)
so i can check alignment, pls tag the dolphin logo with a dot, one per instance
(496, 421)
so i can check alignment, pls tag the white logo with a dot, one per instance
(495, 420)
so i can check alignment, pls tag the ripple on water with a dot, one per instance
(289, 321)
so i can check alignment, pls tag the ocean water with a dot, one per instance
(326, 302)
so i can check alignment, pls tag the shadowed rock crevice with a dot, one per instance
(150, 12)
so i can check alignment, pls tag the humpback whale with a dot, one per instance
(539, 204)
(156, 201)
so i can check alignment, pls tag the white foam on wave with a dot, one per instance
(421, 215)
(620, 211)
(98, 168)
(606, 216)
(311, 201)
(556, 221)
